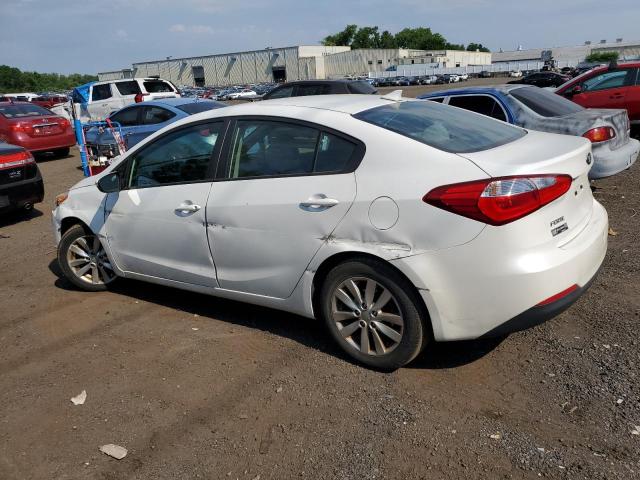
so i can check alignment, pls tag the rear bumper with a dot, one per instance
(607, 162)
(44, 144)
(488, 287)
(16, 195)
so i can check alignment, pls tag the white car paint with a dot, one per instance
(253, 242)
(242, 94)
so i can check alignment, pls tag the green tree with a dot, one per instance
(13, 80)
(472, 47)
(420, 38)
(602, 57)
(343, 38)
(387, 40)
(366, 37)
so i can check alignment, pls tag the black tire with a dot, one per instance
(70, 238)
(62, 152)
(414, 333)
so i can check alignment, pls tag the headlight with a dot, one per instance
(61, 198)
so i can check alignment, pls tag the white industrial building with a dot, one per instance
(448, 58)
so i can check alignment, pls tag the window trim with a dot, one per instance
(223, 163)
(508, 117)
(213, 159)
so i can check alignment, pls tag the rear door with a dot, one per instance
(285, 186)
(153, 118)
(127, 91)
(101, 101)
(607, 89)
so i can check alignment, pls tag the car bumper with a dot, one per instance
(607, 162)
(16, 195)
(480, 289)
(44, 144)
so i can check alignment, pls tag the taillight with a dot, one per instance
(64, 123)
(497, 201)
(558, 296)
(18, 159)
(600, 134)
(21, 127)
(140, 97)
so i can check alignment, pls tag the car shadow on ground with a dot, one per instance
(308, 332)
(42, 157)
(17, 216)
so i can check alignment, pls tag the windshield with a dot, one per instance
(200, 106)
(23, 110)
(445, 128)
(544, 102)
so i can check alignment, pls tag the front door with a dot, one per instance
(606, 90)
(156, 225)
(286, 187)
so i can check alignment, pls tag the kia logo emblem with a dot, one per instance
(588, 159)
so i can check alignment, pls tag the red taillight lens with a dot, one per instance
(64, 123)
(558, 296)
(498, 201)
(21, 127)
(140, 97)
(600, 134)
(13, 160)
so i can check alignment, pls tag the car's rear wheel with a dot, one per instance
(84, 261)
(373, 313)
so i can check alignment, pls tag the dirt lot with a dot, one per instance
(197, 387)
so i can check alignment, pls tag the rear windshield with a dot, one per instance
(157, 86)
(440, 126)
(23, 110)
(130, 87)
(544, 102)
(361, 87)
(197, 107)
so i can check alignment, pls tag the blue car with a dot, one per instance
(540, 109)
(140, 120)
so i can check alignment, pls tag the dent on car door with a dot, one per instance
(286, 187)
(155, 226)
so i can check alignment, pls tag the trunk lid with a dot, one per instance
(543, 153)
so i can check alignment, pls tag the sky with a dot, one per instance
(90, 36)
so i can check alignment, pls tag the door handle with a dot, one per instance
(318, 202)
(190, 207)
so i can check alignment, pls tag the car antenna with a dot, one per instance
(394, 96)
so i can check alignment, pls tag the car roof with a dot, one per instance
(303, 82)
(492, 89)
(349, 104)
(175, 102)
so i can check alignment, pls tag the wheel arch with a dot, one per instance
(69, 222)
(337, 258)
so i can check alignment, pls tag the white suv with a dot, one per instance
(106, 97)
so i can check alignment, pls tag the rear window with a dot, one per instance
(544, 102)
(128, 88)
(157, 86)
(442, 127)
(23, 110)
(361, 87)
(197, 107)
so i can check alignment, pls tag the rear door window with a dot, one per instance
(334, 153)
(101, 92)
(439, 126)
(283, 92)
(127, 117)
(128, 88)
(157, 86)
(483, 104)
(153, 115)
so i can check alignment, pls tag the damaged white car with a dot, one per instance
(397, 222)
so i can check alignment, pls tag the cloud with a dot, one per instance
(122, 34)
(193, 29)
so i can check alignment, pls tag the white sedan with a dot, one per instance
(397, 222)
(246, 93)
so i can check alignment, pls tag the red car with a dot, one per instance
(615, 86)
(35, 128)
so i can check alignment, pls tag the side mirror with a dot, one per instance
(109, 183)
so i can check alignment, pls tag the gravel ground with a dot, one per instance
(198, 387)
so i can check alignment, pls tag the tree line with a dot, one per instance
(13, 80)
(420, 38)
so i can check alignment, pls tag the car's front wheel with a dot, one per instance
(84, 261)
(372, 312)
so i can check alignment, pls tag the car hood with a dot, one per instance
(580, 122)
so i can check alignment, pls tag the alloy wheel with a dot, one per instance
(367, 316)
(89, 262)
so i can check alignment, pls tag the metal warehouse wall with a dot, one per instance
(358, 62)
(231, 69)
(117, 75)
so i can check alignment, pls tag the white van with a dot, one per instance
(109, 96)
